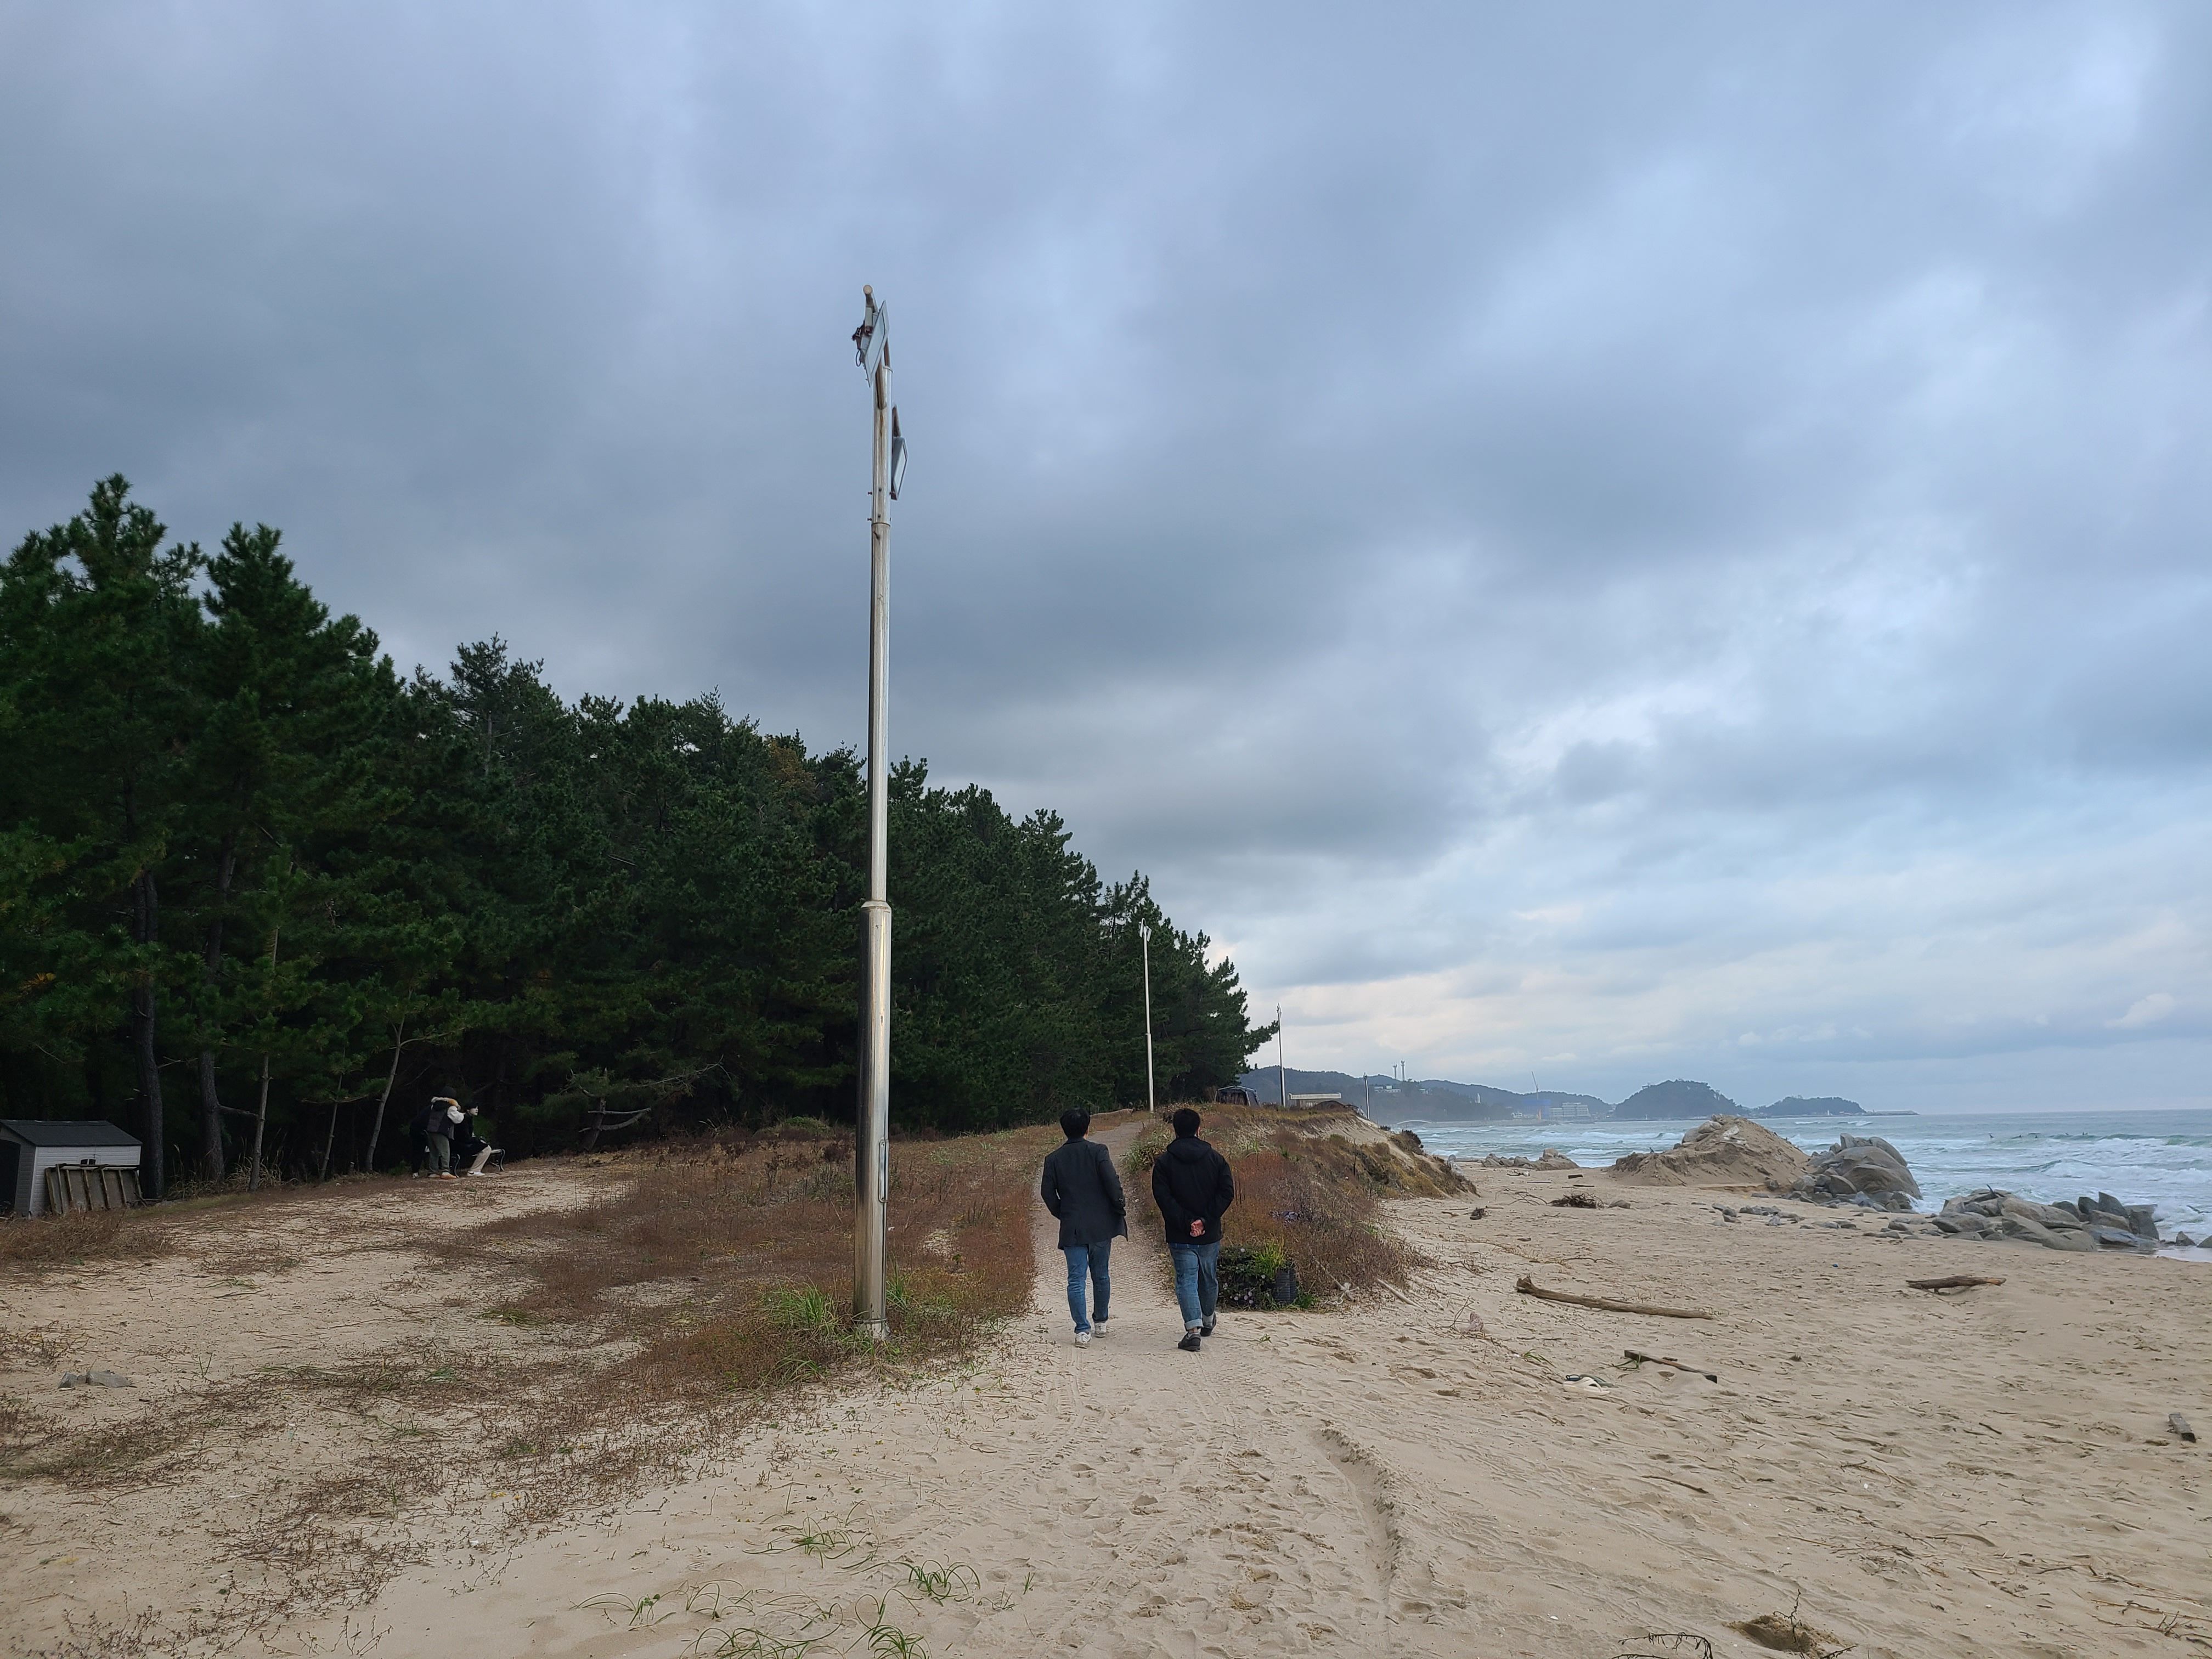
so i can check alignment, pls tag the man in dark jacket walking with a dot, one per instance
(1192, 1185)
(1082, 1188)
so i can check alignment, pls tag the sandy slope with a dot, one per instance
(1989, 1473)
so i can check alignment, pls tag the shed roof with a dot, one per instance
(85, 1132)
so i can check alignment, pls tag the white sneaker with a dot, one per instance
(1099, 1329)
(1083, 1339)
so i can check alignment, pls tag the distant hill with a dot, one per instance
(1435, 1100)
(1678, 1099)
(1431, 1100)
(1820, 1106)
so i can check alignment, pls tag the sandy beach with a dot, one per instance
(1987, 1472)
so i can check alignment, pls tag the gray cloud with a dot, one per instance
(1631, 543)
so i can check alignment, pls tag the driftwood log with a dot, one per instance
(1633, 1356)
(2179, 1424)
(1955, 1282)
(1529, 1286)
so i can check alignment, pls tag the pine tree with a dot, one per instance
(98, 630)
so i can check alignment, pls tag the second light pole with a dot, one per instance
(872, 1144)
(1144, 944)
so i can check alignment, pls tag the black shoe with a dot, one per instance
(1207, 1330)
(1189, 1343)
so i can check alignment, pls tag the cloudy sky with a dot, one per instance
(1601, 543)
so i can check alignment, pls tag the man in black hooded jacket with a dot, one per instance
(1192, 1188)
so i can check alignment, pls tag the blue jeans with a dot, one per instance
(1198, 1281)
(1088, 1259)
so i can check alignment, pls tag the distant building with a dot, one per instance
(1331, 1098)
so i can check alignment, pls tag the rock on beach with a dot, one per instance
(2103, 1223)
(1860, 1166)
(1721, 1152)
(1553, 1159)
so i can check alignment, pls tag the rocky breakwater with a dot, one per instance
(2102, 1222)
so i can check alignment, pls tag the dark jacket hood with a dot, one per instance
(1191, 1182)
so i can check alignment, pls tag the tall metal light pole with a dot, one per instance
(872, 1167)
(1282, 1083)
(1145, 943)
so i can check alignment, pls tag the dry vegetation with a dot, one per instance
(66, 1241)
(1310, 1185)
(723, 1268)
(625, 1339)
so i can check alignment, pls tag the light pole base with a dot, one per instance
(875, 1330)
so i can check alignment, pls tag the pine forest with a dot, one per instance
(255, 883)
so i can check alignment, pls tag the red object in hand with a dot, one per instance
(1198, 1230)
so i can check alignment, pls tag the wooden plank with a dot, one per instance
(90, 1187)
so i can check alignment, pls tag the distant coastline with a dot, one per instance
(1443, 1100)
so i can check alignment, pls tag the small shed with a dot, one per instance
(87, 1165)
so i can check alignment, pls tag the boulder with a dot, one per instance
(1553, 1159)
(2051, 1238)
(2106, 1211)
(1856, 1165)
(2046, 1215)
(1721, 1152)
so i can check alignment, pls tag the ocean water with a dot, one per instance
(2160, 1159)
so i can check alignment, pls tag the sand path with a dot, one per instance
(1127, 1499)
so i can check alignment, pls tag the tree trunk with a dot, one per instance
(145, 927)
(398, 1042)
(211, 1119)
(330, 1140)
(261, 1112)
(260, 1122)
(210, 1101)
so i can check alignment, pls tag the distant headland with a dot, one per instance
(1441, 1100)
